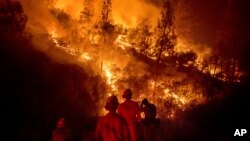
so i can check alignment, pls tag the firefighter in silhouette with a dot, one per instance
(112, 127)
(62, 132)
(130, 111)
(150, 122)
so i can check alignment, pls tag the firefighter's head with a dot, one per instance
(127, 94)
(61, 122)
(112, 103)
(145, 101)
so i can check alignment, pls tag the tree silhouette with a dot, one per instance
(86, 18)
(165, 36)
(106, 23)
(165, 32)
(141, 36)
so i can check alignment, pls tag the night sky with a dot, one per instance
(211, 14)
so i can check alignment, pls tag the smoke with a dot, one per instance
(42, 24)
(128, 12)
(40, 21)
(125, 13)
(72, 7)
(202, 51)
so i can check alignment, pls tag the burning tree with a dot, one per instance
(141, 36)
(165, 32)
(165, 36)
(105, 24)
(86, 18)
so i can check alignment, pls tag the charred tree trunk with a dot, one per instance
(158, 60)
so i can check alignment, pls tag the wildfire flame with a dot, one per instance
(112, 78)
(122, 42)
(85, 56)
(109, 77)
(88, 47)
(53, 37)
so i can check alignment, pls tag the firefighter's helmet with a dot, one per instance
(112, 103)
(61, 122)
(127, 93)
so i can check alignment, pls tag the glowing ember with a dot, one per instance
(122, 42)
(108, 75)
(85, 56)
(110, 79)
(53, 37)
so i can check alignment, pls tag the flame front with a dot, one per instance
(117, 78)
(124, 63)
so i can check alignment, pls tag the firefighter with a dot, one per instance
(61, 133)
(151, 125)
(149, 111)
(112, 127)
(130, 111)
